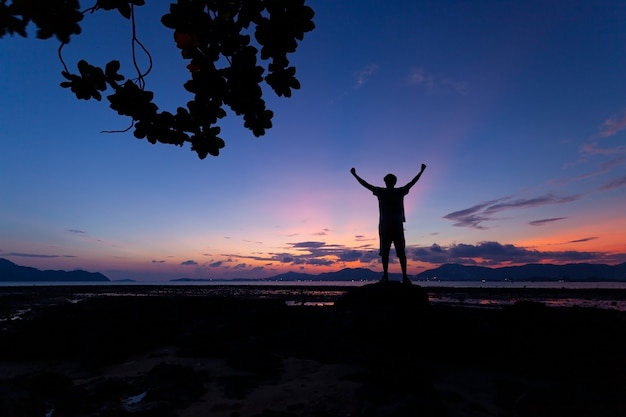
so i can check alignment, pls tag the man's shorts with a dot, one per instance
(391, 232)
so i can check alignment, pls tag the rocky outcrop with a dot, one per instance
(405, 356)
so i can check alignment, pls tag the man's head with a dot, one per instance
(390, 180)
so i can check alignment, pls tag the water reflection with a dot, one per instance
(17, 302)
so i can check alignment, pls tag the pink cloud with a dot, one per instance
(613, 125)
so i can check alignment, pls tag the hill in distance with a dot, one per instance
(579, 272)
(10, 272)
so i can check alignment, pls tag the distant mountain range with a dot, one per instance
(580, 272)
(10, 272)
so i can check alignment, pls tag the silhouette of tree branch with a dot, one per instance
(209, 33)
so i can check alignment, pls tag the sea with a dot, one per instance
(475, 294)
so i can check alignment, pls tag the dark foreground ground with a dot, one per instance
(381, 350)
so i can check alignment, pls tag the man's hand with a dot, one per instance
(353, 171)
(423, 167)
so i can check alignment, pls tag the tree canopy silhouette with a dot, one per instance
(227, 67)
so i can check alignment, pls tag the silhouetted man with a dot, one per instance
(391, 219)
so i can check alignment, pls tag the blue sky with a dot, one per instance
(517, 108)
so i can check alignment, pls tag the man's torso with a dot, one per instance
(391, 203)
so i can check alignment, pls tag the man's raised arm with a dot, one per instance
(417, 177)
(361, 180)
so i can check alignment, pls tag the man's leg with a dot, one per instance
(385, 259)
(385, 247)
(405, 278)
(400, 245)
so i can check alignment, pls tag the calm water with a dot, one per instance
(607, 295)
(426, 284)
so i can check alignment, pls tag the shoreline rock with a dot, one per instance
(384, 348)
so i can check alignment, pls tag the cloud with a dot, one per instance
(545, 221)
(307, 245)
(350, 255)
(434, 254)
(435, 84)
(488, 253)
(364, 74)
(582, 240)
(592, 148)
(613, 163)
(614, 184)
(605, 167)
(419, 77)
(613, 125)
(323, 250)
(317, 253)
(496, 254)
(470, 217)
(76, 231)
(154, 261)
(530, 202)
(216, 264)
(189, 262)
(460, 87)
(320, 262)
(494, 251)
(478, 214)
(36, 255)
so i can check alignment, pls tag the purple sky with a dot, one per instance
(518, 108)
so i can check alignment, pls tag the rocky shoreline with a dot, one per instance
(380, 350)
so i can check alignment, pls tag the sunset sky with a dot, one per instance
(518, 109)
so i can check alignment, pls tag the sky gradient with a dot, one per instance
(517, 108)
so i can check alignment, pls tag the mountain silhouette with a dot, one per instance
(10, 272)
(579, 272)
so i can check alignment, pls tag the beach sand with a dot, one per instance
(380, 350)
